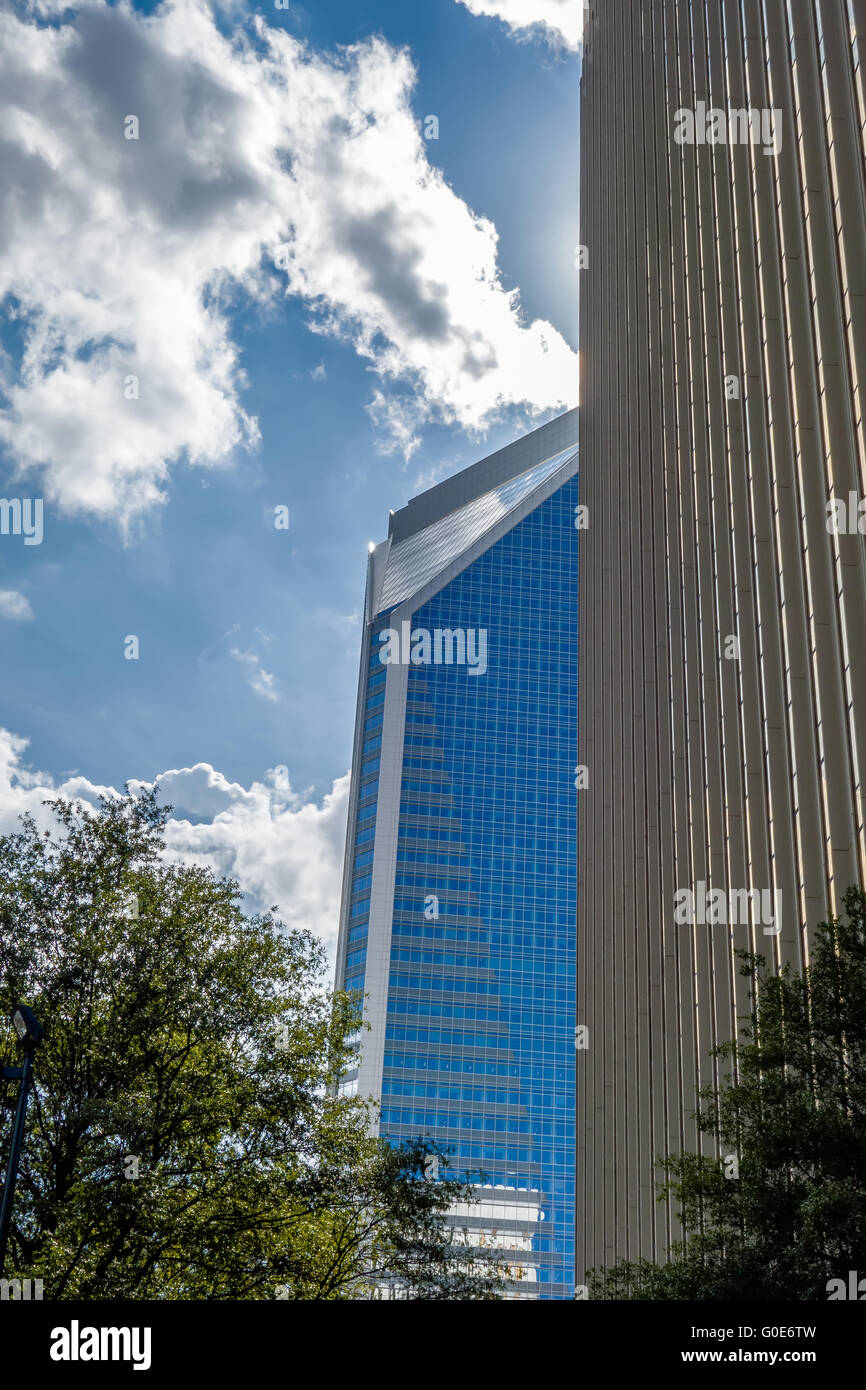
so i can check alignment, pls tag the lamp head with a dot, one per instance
(27, 1026)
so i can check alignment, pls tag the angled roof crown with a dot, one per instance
(444, 529)
(490, 472)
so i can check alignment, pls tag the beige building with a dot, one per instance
(723, 574)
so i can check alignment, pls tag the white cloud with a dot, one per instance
(15, 606)
(122, 258)
(258, 679)
(283, 848)
(559, 21)
(23, 790)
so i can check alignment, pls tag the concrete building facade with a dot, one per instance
(722, 714)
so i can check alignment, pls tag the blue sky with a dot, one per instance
(256, 386)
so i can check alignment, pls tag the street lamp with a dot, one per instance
(29, 1031)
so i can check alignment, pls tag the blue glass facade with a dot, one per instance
(479, 1039)
(459, 887)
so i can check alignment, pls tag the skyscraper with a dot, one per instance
(723, 572)
(458, 917)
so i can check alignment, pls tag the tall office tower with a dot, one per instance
(459, 888)
(723, 574)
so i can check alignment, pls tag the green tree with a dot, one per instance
(793, 1114)
(186, 1139)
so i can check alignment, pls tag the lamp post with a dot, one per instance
(29, 1031)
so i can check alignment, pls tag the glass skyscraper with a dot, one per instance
(459, 892)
